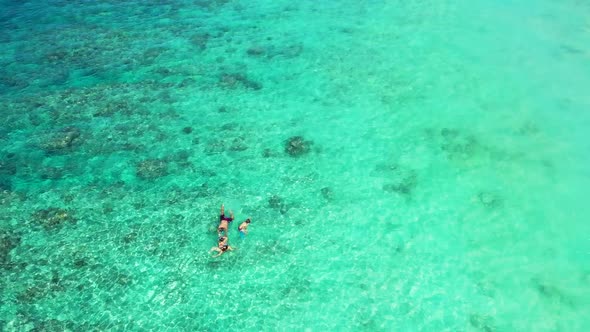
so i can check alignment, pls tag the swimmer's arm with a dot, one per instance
(222, 209)
(231, 214)
(219, 251)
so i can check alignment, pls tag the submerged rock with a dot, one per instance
(151, 169)
(297, 146)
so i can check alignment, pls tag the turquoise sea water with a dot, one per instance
(407, 165)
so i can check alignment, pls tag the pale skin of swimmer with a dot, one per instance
(222, 246)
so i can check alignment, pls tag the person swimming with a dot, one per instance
(222, 246)
(243, 228)
(224, 221)
(222, 240)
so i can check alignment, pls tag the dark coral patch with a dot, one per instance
(237, 80)
(215, 146)
(271, 51)
(268, 153)
(8, 241)
(8, 166)
(289, 51)
(552, 293)
(129, 238)
(200, 40)
(61, 141)
(151, 169)
(275, 201)
(458, 145)
(256, 50)
(150, 55)
(41, 289)
(327, 193)
(54, 325)
(8, 197)
(297, 146)
(402, 181)
(52, 218)
(51, 173)
(238, 144)
(489, 199)
(278, 203)
(210, 4)
(5, 184)
(187, 82)
(33, 294)
(116, 107)
(80, 263)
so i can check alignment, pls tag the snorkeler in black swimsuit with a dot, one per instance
(224, 221)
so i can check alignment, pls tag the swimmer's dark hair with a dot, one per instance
(248, 221)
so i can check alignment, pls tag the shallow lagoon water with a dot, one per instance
(439, 182)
